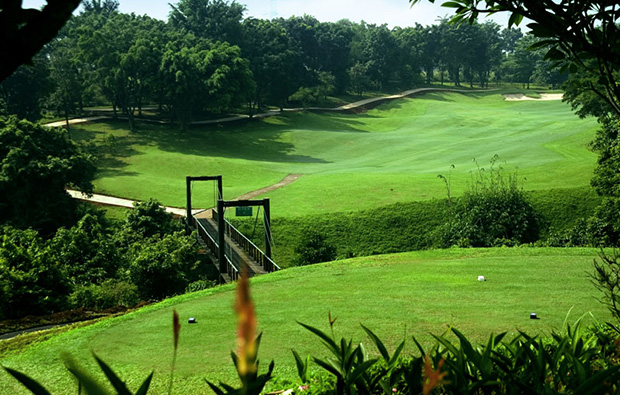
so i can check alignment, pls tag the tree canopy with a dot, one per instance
(579, 34)
(25, 31)
(36, 165)
(207, 60)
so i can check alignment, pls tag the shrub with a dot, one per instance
(199, 285)
(578, 235)
(30, 280)
(604, 225)
(85, 252)
(36, 165)
(313, 248)
(606, 278)
(494, 211)
(110, 293)
(163, 267)
(149, 219)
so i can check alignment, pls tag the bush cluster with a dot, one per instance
(95, 264)
(494, 211)
(314, 248)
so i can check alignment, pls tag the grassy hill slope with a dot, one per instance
(351, 162)
(395, 295)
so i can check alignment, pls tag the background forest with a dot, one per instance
(104, 57)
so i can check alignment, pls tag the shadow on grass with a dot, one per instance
(254, 140)
(109, 150)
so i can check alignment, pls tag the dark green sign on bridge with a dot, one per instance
(243, 211)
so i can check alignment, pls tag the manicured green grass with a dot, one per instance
(395, 295)
(354, 161)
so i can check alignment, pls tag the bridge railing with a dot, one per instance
(231, 270)
(204, 234)
(253, 251)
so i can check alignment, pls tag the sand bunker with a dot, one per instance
(543, 96)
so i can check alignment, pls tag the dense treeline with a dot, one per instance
(98, 264)
(208, 59)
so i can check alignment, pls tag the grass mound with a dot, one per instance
(395, 295)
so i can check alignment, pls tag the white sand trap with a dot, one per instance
(543, 97)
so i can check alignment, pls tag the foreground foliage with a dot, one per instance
(578, 360)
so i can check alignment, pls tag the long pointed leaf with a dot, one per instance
(258, 339)
(28, 382)
(350, 359)
(90, 385)
(329, 366)
(380, 346)
(302, 367)
(235, 359)
(144, 388)
(117, 383)
(394, 358)
(215, 388)
(332, 346)
(418, 345)
(361, 369)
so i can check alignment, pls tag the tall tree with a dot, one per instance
(381, 54)
(409, 66)
(358, 74)
(203, 77)
(216, 20)
(105, 7)
(431, 51)
(23, 92)
(36, 165)
(334, 41)
(65, 81)
(275, 61)
(525, 60)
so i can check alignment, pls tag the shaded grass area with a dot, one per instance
(390, 154)
(395, 295)
(406, 226)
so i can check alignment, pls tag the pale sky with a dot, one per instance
(392, 12)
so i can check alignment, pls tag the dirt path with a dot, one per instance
(106, 200)
(75, 121)
(289, 179)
